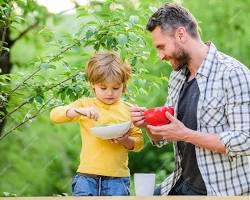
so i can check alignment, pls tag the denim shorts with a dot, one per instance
(94, 185)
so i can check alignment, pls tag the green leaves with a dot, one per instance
(71, 92)
(90, 32)
(39, 99)
(123, 54)
(3, 98)
(103, 26)
(8, 194)
(62, 56)
(122, 39)
(47, 66)
(132, 36)
(134, 19)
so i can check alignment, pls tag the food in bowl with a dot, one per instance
(111, 131)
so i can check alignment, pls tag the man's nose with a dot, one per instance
(161, 55)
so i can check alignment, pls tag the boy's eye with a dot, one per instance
(117, 88)
(103, 88)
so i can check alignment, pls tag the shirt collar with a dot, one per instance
(106, 106)
(205, 67)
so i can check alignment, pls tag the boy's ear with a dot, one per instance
(124, 89)
(92, 87)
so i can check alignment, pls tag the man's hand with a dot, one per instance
(137, 116)
(175, 131)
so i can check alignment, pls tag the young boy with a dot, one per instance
(103, 169)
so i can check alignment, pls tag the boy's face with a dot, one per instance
(108, 92)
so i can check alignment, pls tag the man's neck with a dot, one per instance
(197, 53)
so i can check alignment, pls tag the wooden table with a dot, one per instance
(132, 198)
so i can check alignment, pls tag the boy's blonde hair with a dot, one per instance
(107, 66)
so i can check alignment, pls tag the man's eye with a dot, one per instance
(161, 47)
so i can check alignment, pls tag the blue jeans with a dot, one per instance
(157, 191)
(93, 185)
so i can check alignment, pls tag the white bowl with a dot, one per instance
(111, 131)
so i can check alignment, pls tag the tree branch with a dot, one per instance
(3, 39)
(35, 24)
(29, 118)
(27, 101)
(39, 68)
(24, 32)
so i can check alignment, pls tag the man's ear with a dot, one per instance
(181, 34)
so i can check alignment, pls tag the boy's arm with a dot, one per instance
(59, 114)
(137, 136)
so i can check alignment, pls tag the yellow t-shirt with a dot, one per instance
(98, 156)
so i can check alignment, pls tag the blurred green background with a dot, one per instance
(40, 158)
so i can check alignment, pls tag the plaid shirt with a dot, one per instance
(223, 108)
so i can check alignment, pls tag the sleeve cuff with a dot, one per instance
(225, 138)
(160, 143)
(58, 114)
(138, 145)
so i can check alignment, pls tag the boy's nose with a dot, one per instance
(110, 92)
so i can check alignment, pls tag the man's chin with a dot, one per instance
(178, 67)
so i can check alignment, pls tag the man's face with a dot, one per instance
(169, 49)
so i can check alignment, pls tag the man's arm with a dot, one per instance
(176, 131)
(209, 141)
(237, 92)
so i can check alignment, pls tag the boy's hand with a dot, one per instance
(122, 139)
(137, 116)
(125, 140)
(90, 112)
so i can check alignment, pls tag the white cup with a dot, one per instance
(144, 184)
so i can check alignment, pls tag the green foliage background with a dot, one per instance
(40, 158)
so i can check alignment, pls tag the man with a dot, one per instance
(210, 92)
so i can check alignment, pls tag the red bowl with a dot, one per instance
(156, 116)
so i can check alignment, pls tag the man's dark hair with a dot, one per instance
(170, 16)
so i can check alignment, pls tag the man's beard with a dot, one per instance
(181, 58)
